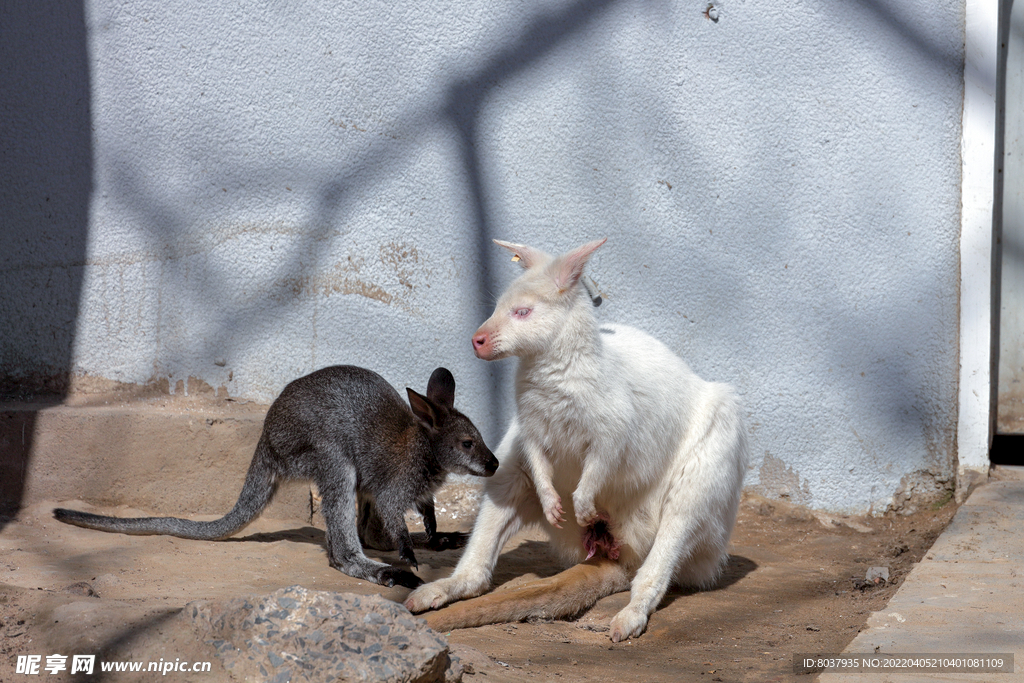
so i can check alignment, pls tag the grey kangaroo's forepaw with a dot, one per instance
(409, 557)
(447, 541)
(393, 575)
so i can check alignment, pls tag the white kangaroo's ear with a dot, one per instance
(568, 268)
(528, 257)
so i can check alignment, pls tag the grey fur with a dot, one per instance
(346, 429)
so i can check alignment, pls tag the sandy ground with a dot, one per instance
(794, 584)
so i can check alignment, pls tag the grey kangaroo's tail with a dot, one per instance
(260, 486)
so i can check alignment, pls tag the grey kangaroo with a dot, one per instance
(346, 429)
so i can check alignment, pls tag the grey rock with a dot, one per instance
(295, 634)
(877, 575)
(81, 588)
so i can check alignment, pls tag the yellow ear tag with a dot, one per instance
(515, 257)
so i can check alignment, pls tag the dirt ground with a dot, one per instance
(794, 584)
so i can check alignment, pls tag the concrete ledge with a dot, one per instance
(966, 596)
(170, 456)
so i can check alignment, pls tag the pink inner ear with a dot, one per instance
(570, 266)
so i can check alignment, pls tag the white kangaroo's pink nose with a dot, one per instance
(482, 345)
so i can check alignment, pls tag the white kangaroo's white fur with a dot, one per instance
(608, 423)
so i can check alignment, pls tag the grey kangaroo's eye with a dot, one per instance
(467, 444)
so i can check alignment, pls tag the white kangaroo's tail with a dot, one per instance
(561, 596)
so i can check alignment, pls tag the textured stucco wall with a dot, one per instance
(265, 189)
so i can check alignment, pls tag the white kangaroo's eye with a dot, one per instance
(523, 312)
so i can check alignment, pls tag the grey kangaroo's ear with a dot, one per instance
(441, 388)
(528, 257)
(424, 409)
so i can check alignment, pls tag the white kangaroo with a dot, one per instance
(612, 431)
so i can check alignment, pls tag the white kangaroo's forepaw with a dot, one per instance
(429, 596)
(553, 511)
(629, 623)
(586, 513)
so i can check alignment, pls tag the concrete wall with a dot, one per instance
(261, 189)
(1011, 320)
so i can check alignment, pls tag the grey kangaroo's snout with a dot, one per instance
(483, 464)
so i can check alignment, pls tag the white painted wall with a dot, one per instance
(264, 189)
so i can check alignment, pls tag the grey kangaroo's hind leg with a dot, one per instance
(371, 529)
(393, 519)
(343, 549)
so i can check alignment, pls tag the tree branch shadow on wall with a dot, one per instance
(458, 109)
(462, 111)
(887, 355)
(46, 180)
(1003, 245)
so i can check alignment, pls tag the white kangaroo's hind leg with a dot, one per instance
(681, 537)
(697, 519)
(652, 579)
